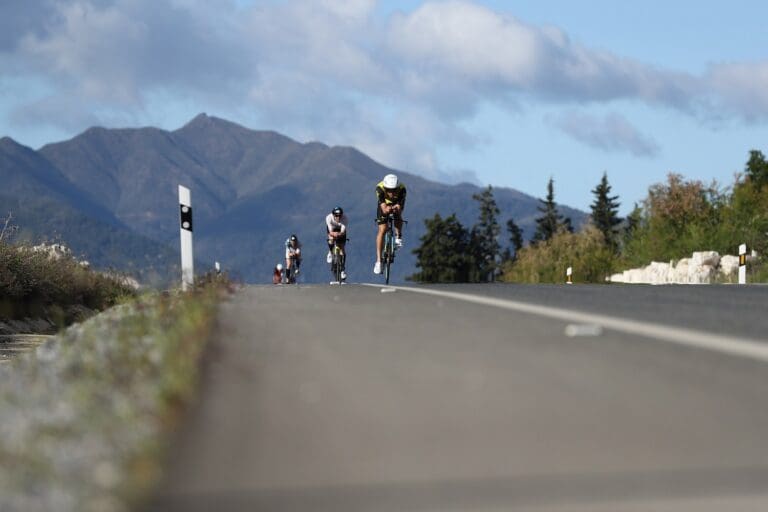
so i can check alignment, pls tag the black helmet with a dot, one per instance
(294, 238)
(338, 211)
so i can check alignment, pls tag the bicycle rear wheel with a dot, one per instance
(386, 255)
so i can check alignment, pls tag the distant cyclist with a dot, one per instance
(277, 274)
(336, 227)
(292, 255)
(390, 198)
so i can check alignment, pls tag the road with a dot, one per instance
(361, 398)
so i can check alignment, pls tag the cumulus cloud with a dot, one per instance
(116, 52)
(494, 53)
(337, 71)
(610, 133)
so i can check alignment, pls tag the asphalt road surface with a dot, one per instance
(604, 398)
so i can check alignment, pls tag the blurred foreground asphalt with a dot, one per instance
(323, 398)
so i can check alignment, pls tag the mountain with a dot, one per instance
(46, 206)
(250, 190)
(25, 173)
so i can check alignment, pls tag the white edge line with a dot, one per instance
(743, 347)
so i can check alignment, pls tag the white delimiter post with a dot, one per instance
(743, 264)
(185, 225)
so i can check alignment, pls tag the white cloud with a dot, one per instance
(115, 52)
(491, 54)
(741, 88)
(610, 133)
(334, 71)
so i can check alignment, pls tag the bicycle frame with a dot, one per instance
(388, 248)
(337, 262)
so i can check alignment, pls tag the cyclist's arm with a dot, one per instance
(402, 199)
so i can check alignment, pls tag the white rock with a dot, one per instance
(711, 258)
(702, 268)
(729, 266)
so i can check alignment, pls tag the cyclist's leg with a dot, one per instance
(398, 226)
(380, 240)
(287, 260)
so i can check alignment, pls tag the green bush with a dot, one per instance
(586, 252)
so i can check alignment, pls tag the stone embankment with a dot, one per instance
(704, 267)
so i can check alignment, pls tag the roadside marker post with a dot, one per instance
(185, 229)
(743, 264)
(569, 275)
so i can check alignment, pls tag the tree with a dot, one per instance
(515, 240)
(485, 237)
(678, 217)
(604, 212)
(444, 255)
(757, 169)
(551, 221)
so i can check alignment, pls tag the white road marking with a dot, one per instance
(742, 347)
(577, 330)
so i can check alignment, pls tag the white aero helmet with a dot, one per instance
(279, 266)
(390, 181)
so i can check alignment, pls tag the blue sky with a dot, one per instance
(502, 93)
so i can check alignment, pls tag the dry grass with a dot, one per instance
(34, 285)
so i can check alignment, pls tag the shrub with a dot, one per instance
(38, 285)
(546, 262)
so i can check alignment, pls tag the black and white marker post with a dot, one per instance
(743, 264)
(185, 224)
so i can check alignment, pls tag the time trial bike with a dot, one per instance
(389, 248)
(338, 263)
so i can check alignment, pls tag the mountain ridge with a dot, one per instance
(252, 188)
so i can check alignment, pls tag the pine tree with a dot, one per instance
(551, 221)
(757, 168)
(485, 237)
(604, 212)
(515, 240)
(444, 255)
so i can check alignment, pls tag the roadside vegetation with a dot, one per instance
(84, 419)
(40, 284)
(676, 218)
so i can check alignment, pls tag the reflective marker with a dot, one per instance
(743, 264)
(185, 228)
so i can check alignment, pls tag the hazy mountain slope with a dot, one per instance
(26, 173)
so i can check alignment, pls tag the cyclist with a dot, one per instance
(336, 227)
(390, 198)
(277, 274)
(292, 254)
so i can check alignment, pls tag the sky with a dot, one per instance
(509, 94)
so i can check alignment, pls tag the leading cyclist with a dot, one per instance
(336, 227)
(390, 198)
